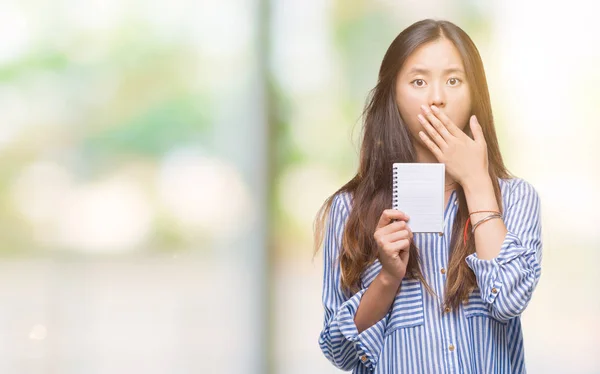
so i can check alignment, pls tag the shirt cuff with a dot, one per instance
(487, 272)
(368, 344)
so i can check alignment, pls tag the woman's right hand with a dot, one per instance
(393, 242)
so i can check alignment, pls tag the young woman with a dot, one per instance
(398, 302)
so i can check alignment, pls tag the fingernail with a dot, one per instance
(425, 109)
(435, 108)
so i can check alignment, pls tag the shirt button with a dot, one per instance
(441, 234)
(494, 290)
(456, 202)
(451, 347)
(364, 358)
(443, 271)
(447, 309)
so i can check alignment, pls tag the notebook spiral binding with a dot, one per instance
(395, 189)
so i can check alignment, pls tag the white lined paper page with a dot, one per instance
(419, 192)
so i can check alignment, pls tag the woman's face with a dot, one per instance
(433, 75)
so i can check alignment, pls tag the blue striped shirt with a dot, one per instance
(417, 336)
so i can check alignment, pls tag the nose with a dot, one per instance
(437, 96)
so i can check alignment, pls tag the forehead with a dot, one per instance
(436, 55)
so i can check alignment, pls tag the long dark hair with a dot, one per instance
(385, 140)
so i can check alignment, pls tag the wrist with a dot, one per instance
(476, 182)
(390, 280)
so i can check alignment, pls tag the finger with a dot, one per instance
(431, 145)
(389, 214)
(436, 124)
(476, 129)
(452, 128)
(396, 247)
(433, 134)
(392, 227)
(398, 235)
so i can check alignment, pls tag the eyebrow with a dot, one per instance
(419, 70)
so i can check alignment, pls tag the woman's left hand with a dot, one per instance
(465, 158)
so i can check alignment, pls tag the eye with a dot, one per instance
(418, 83)
(454, 81)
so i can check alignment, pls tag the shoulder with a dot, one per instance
(515, 189)
(342, 203)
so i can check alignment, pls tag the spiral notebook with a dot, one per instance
(418, 190)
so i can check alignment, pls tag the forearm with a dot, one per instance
(508, 275)
(376, 301)
(490, 235)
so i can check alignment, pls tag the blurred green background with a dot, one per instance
(161, 164)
